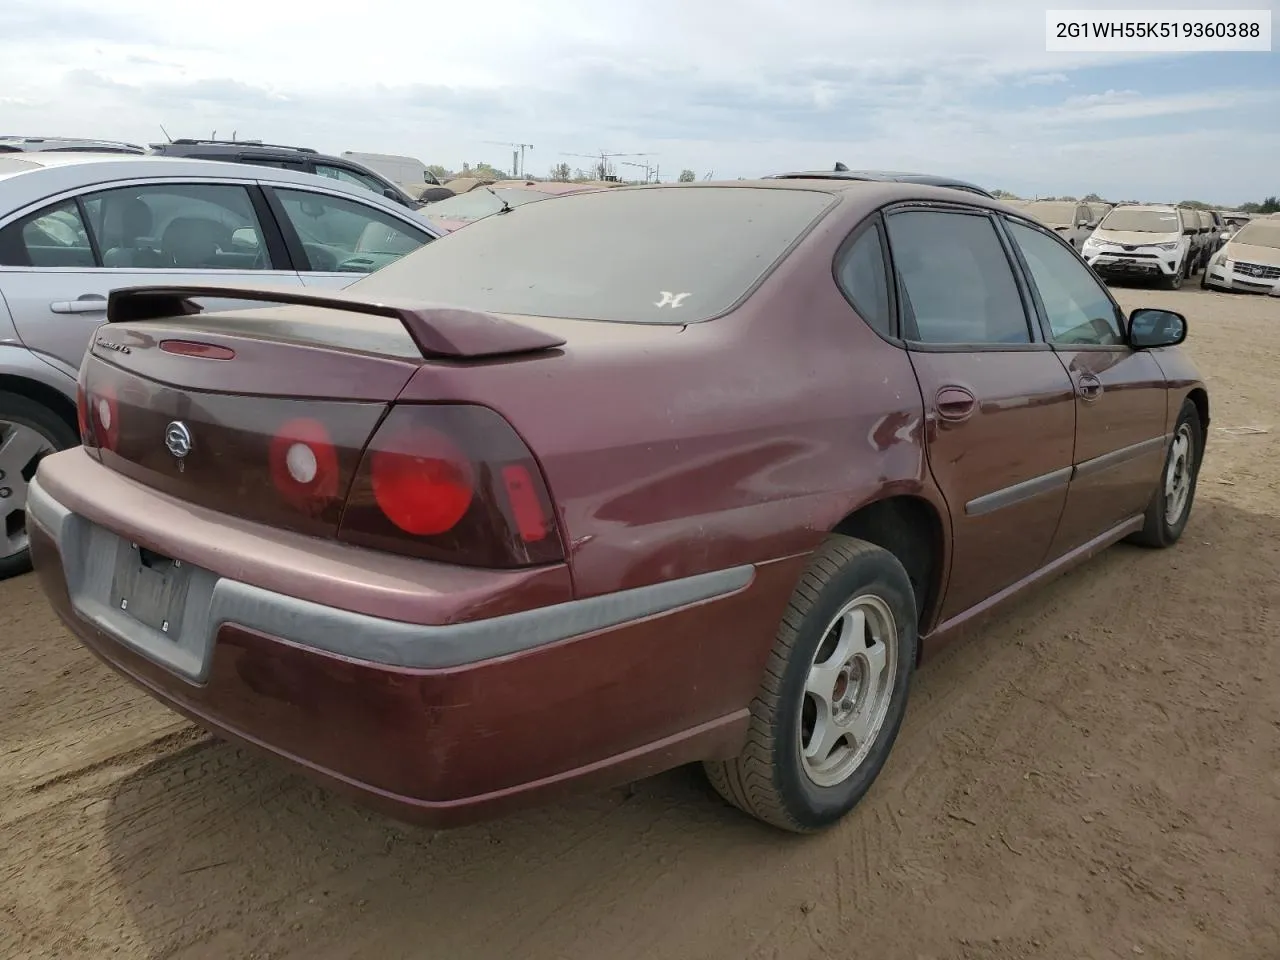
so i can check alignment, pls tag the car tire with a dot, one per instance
(1171, 503)
(1174, 280)
(848, 585)
(23, 419)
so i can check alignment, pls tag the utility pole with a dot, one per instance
(646, 167)
(517, 155)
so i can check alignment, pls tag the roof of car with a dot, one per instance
(25, 144)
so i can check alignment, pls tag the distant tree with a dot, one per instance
(560, 172)
(1195, 204)
(1004, 193)
(687, 176)
(1092, 198)
(1270, 205)
(1068, 199)
(439, 172)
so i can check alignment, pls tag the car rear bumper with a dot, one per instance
(442, 722)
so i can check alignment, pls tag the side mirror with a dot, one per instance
(1150, 327)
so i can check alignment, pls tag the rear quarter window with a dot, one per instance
(664, 255)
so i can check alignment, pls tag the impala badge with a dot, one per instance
(110, 345)
(177, 439)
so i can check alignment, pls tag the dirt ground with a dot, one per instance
(1098, 776)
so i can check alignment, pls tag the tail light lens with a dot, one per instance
(304, 465)
(454, 483)
(104, 416)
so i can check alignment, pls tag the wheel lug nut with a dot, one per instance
(5, 493)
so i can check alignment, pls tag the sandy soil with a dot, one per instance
(1098, 776)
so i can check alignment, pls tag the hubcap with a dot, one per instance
(20, 451)
(1177, 476)
(847, 691)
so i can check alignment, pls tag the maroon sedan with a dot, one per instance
(607, 485)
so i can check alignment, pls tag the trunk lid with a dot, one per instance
(264, 413)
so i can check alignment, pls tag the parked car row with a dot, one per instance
(1163, 242)
(605, 485)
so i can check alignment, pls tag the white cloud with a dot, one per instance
(744, 88)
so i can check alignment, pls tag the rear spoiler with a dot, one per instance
(436, 331)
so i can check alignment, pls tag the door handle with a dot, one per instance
(955, 404)
(1090, 387)
(89, 303)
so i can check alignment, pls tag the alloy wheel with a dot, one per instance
(848, 690)
(21, 448)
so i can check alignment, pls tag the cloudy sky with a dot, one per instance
(741, 89)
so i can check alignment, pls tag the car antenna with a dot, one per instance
(166, 133)
(506, 207)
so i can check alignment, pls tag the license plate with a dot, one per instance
(149, 587)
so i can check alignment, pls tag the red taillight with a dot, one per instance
(104, 416)
(452, 482)
(304, 465)
(421, 481)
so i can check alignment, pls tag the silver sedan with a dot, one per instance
(73, 227)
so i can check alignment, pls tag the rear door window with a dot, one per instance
(956, 283)
(190, 226)
(344, 236)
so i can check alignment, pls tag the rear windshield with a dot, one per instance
(1259, 233)
(1142, 221)
(1054, 213)
(666, 255)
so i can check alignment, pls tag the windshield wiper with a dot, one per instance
(506, 207)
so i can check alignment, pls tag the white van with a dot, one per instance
(405, 171)
(1155, 241)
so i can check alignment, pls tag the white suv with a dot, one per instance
(1156, 242)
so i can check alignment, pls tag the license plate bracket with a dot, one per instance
(150, 587)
